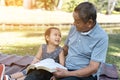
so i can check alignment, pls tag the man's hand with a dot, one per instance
(53, 78)
(60, 73)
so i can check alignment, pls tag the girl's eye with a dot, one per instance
(60, 35)
(55, 34)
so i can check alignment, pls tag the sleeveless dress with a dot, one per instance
(54, 55)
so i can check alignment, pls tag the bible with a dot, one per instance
(46, 64)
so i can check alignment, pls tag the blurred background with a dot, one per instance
(23, 22)
(103, 6)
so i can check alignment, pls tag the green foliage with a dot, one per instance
(69, 5)
(14, 2)
(46, 4)
(118, 3)
(101, 5)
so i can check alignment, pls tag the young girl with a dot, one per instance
(49, 50)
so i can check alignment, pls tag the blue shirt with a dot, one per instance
(84, 47)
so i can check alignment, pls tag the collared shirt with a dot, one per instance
(91, 45)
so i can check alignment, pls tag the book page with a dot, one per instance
(47, 64)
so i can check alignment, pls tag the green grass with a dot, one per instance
(113, 55)
(113, 12)
(22, 42)
(27, 42)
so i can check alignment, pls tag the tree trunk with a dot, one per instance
(59, 5)
(45, 4)
(34, 3)
(111, 6)
(27, 4)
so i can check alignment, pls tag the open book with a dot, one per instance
(46, 64)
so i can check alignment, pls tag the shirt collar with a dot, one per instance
(89, 32)
(86, 33)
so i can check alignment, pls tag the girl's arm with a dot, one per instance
(37, 56)
(63, 54)
(65, 50)
(62, 58)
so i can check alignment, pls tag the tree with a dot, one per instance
(59, 4)
(111, 6)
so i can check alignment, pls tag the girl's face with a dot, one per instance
(54, 38)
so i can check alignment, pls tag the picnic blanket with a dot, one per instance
(14, 63)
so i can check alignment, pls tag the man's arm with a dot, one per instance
(87, 71)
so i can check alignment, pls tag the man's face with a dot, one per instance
(80, 25)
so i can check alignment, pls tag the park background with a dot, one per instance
(23, 22)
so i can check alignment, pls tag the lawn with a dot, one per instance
(23, 42)
(27, 42)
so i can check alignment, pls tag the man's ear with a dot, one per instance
(90, 23)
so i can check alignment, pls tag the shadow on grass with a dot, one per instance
(114, 39)
(114, 44)
(113, 55)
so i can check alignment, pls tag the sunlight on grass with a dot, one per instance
(21, 49)
(11, 38)
(20, 43)
(25, 42)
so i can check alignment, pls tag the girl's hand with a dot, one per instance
(35, 60)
